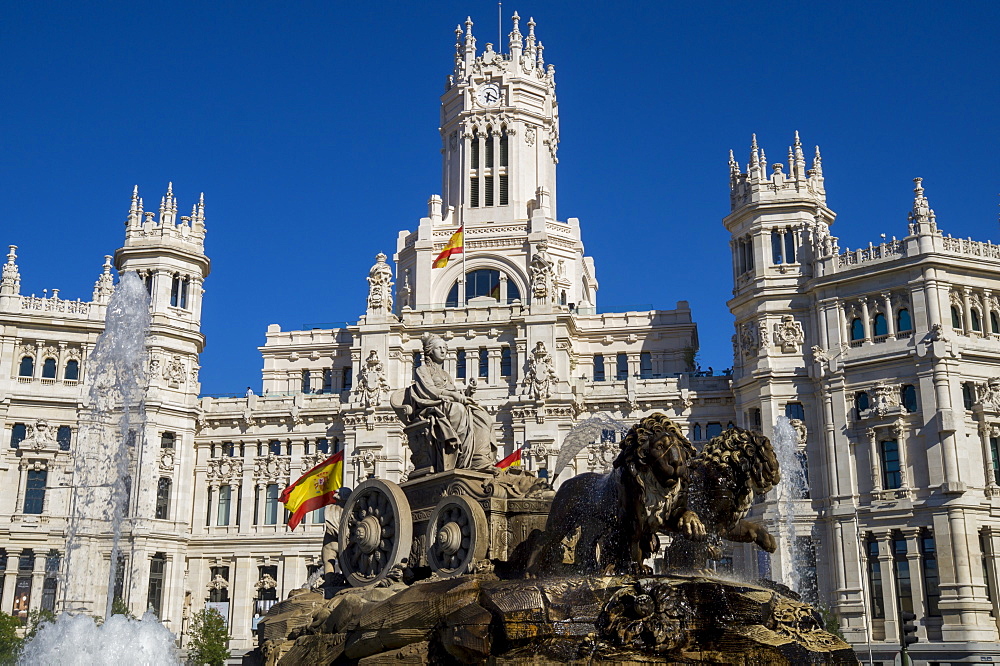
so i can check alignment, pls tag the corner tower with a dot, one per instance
(500, 134)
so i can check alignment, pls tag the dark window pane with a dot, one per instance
(505, 362)
(621, 367)
(49, 368)
(879, 325)
(17, 434)
(857, 330)
(64, 437)
(599, 367)
(72, 370)
(34, 492)
(795, 410)
(27, 367)
(903, 321)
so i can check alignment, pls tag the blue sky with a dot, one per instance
(312, 129)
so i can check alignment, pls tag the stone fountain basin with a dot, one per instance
(580, 619)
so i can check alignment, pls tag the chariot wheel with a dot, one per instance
(457, 535)
(376, 532)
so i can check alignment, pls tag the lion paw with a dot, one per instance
(691, 526)
(767, 542)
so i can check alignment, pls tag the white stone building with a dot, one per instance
(903, 485)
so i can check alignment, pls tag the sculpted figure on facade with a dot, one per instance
(373, 385)
(989, 394)
(446, 428)
(380, 285)
(541, 270)
(40, 436)
(884, 398)
(541, 375)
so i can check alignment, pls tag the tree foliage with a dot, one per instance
(10, 643)
(209, 638)
(36, 618)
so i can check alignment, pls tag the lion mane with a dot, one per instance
(619, 514)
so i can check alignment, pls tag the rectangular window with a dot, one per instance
(995, 456)
(162, 498)
(789, 246)
(34, 492)
(598, 367)
(795, 410)
(22, 598)
(475, 151)
(460, 364)
(489, 190)
(875, 580)
(64, 437)
(713, 429)
(503, 150)
(621, 367)
(932, 581)
(904, 585)
(328, 380)
(225, 503)
(274, 447)
(49, 586)
(17, 434)
(167, 440)
(506, 364)
(504, 190)
(645, 365)
(120, 577)
(776, 248)
(271, 505)
(175, 287)
(348, 378)
(489, 151)
(219, 593)
(184, 293)
(484, 363)
(474, 192)
(154, 599)
(892, 476)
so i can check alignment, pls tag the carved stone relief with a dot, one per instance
(788, 335)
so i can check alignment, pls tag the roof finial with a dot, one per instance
(529, 46)
(541, 58)
(10, 281)
(734, 167)
(817, 164)
(516, 41)
(754, 152)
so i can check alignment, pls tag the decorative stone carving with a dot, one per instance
(748, 339)
(271, 468)
(801, 432)
(541, 271)
(541, 374)
(174, 374)
(380, 286)
(10, 280)
(154, 367)
(226, 469)
(266, 582)
(40, 436)
(372, 385)
(219, 583)
(167, 460)
(529, 136)
(884, 398)
(989, 394)
(788, 334)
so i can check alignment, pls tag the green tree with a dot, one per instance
(209, 636)
(119, 607)
(10, 643)
(36, 618)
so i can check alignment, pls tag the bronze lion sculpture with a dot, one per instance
(724, 478)
(618, 515)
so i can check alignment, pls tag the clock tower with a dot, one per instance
(500, 134)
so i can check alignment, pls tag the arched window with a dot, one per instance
(482, 282)
(27, 368)
(956, 317)
(857, 329)
(861, 401)
(72, 371)
(995, 323)
(977, 323)
(879, 325)
(696, 432)
(903, 321)
(49, 368)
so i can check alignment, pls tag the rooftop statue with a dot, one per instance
(446, 428)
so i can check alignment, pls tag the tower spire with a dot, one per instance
(516, 41)
(921, 217)
(135, 209)
(734, 168)
(754, 153)
(10, 281)
(800, 160)
(530, 41)
(817, 164)
(470, 41)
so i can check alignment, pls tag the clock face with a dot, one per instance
(488, 94)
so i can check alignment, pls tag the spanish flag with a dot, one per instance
(513, 460)
(454, 246)
(314, 489)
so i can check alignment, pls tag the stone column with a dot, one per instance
(912, 536)
(991, 539)
(875, 460)
(494, 359)
(865, 320)
(9, 581)
(984, 443)
(890, 591)
(898, 432)
(37, 579)
(890, 320)
(963, 604)
(966, 311)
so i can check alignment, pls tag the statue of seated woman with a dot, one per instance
(451, 428)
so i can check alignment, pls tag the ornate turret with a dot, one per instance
(757, 185)
(105, 285)
(921, 217)
(10, 282)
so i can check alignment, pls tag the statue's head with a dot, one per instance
(434, 346)
(658, 444)
(746, 453)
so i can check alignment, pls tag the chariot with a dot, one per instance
(453, 522)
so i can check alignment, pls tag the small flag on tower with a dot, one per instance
(314, 489)
(513, 460)
(454, 247)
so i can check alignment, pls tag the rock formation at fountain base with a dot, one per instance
(682, 619)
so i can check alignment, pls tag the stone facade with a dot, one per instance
(906, 475)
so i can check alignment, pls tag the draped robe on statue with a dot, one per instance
(460, 434)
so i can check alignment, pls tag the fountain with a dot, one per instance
(489, 566)
(109, 449)
(792, 489)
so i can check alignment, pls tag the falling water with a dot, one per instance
(584, 433)
(793, 487)
(107, 455)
